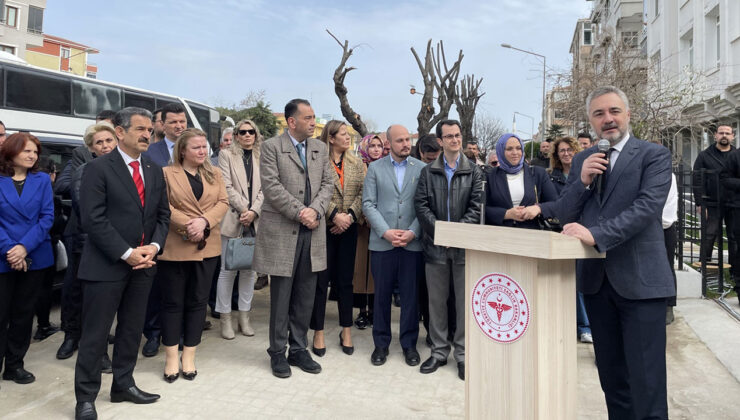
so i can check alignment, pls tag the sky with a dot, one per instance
(217, 51)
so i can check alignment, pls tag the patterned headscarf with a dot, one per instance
(364, 145)
(503, 163)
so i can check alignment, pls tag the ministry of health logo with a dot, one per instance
(500, 307)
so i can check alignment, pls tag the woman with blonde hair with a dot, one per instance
(240, 168)
(343, 215)
(198, 202)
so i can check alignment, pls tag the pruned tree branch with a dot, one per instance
(341, 90)
(466, 100)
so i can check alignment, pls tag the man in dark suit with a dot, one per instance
(124, 211)
(614, 203)
(174, 122)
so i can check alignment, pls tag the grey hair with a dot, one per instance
(603, 90)
(226, 131)
(491, 153)
(123, 117)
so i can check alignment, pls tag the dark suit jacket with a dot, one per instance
(158, 153)
(26, 219)
(498, 196)
(113, 218)
(626, 223)
(80, 156)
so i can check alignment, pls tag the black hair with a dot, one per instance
(292, 107)
(47, 165)
(173, 108)
(446, 122)
(428, 144)
(105, 114)
(585, 135)
(154, 113)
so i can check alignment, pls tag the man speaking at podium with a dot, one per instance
(613, 201)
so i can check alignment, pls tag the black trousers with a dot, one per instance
(714, 228)
(18, 293)
(101, 302)
(185, 288)
(670, 235)
(340, 259)
(630, 344)
(152, 324)
(43, 302)
(72, 298)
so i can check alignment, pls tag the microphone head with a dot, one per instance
(603, 145)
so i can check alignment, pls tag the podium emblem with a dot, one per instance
(500, 307)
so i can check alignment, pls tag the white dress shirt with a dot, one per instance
(127, 160)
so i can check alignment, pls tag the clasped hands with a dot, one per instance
(196, 229)
(247, 217)
(342, 222)
(142, 257)
(309, 218)
(16, 257)
(521, 213)
(399, 237)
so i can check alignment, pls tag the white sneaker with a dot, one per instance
(587, 338)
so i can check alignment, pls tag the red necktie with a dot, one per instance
(138, 181)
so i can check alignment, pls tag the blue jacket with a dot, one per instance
(385, 207)
(498, 196)
(625, 222)
(26, 220)
(158, 153)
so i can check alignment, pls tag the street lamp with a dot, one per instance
(544, 77)
(531, 150)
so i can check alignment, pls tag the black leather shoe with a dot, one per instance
(261, 282)
(134, 395)
(461, 370)
(317, 351)
(346, 349)
(428, 341)
(303, 360)
(43, 333)
(379, 356)
(431, 364)
(107, 365)
(412, 356)
(67, 349)
(280, 366)
(151, 348)
(85, 411)
(361, 322)
(171, 378)
(19, 376)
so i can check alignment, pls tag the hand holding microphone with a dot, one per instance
(595, 165)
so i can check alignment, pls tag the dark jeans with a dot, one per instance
(18, 293)
(185, 286)
(340, 259)
(389, 267)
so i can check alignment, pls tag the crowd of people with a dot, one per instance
(155, 220)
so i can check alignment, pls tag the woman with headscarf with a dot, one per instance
(370, 149)
(514, 185)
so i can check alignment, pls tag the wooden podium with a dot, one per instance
(534, 377)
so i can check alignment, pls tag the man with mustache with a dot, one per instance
(625, 293)
(708, 195)
(174, 121)
(388, 205)
(125, 213)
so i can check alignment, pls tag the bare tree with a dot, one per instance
(339, 74)
(466, 99)
(439, 79)
(487, 130)
(253, 98)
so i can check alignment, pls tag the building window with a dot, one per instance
(687, 50)
(630, 39)
(65, 53)
(656, 7)
(92, 75)
(587, 34)
(712, 35)
(718, 34)
(10, 16)
(35, 19)
(7, 49)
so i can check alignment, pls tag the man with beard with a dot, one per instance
(174, 122)
(614, 202)
(543, 156)
(707, 195)
(388, 205)
(730, 177)
(125, 213)
(157, 125)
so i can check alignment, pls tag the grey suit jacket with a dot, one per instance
(283, 181)
(625, 222)
(386, 207)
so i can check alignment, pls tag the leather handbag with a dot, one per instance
(240, 250)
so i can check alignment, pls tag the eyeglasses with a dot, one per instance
(494, 163)
(250, 131)
(565, 151)
(452, 136)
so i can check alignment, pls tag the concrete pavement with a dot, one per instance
(234, 379)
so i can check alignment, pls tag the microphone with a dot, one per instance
(603, 145)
